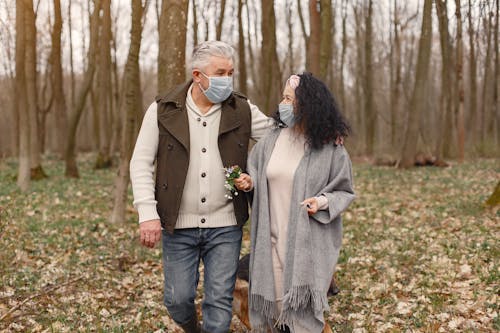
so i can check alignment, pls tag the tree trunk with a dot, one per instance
(472, 119)
(359, 73)
(483, 124)
(220, 22)
(242, 65)
(460, 86)
(195, 23)
(31, 91)
(444, 118)
(395, 75)
(70, 157)
(103, 85)
(172, 44)
(132, 102)
(271, 78)
(57, 79)
(314, 40)
(326, 44)
(23, 175)
(72, 70)
(342, 56)
(495, 108)
(370, 109)
(418, 97)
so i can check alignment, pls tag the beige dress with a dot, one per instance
(285, 158)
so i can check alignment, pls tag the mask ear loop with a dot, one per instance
(199, 83)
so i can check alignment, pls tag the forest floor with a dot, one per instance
(420, 254)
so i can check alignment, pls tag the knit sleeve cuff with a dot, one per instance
(322, 202)
(147, 212)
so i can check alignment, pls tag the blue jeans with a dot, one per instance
(219, 248)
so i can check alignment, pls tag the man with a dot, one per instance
(192, 133)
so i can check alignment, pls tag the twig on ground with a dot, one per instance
(44, 292)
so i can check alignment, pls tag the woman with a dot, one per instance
(302, 180)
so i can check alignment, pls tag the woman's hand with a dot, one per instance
(244, 182)
(311, 205)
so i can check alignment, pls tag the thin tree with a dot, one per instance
(495, 108)
(132, 102)
(418, 97)
(72, 70)
(443, 141)
(343, 55)
(370, 109)
(327, 37)
(460, 85)
(104, 88)
(484, 119)
(75, 116)
(57, 80)
(242, 66)
(31, 90)
(172, 43)
(472, 116)
(23, 174)
(395, 69)
(271, 78)
(220, 21)
(195, 22)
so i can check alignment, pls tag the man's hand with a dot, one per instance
(243, 182)
(311, 205)
(150, 232)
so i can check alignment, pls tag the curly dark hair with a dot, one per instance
(317, 113)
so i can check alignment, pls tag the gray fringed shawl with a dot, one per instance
(313, 241)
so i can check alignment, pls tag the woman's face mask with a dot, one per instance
(286, 114)
(219, 88)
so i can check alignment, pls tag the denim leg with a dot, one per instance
(220, 252)
(181, 259)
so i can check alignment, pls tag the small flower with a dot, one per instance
(231, 174)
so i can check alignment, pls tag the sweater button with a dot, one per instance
(164, 186)
(203, 175)
(198, 119)
(170, 147)
(204, 150)
(204, 124)
(203, 200)
(203, 220)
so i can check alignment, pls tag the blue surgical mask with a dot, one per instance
(219, 88)
(286, 114)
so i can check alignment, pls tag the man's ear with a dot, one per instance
(196, 73)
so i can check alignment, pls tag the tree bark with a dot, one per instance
(370, 109)
(395, 75)
(70, 156)
(242, 65)
(133, 101)
(172, 43)
(314, 40)
(23, 174)
(443, 141)
(57, 79)
(342, 56)
(103, 87)
(195, 23)
(460, 86)
(472, 117)
(326, 44)
(271, 78)
(220, 22)
(484, 119)
(495, 108)
(418, 97)
(31, 91)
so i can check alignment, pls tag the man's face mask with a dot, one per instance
(219, 88)
(286, 114)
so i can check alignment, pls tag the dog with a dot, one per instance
(240, 294)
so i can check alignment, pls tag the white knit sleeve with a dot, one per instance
(142, 166)
(261, 124)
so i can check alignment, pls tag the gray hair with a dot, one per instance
(202, 53)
